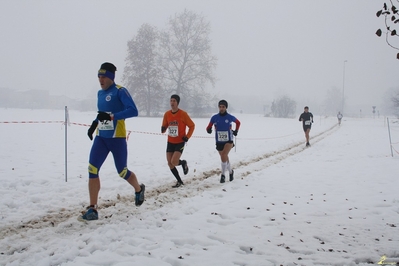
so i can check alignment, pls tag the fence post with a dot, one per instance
(66, 143)
(389, 132)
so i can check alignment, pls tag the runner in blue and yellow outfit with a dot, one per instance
(115, 105)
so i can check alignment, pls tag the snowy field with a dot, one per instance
(335, 203)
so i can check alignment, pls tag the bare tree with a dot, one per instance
(186, 57)
(283, 107)
(390, 103)
(395, 103)
(142, 75)
(391, 18)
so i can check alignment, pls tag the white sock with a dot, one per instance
(228, 167)
(224, 165)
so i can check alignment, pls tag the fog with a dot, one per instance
(265, 48)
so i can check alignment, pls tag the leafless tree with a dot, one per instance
(395, 102)
(186, 58)
(390, 103)
(142, 75)
(391, 19)
(283, 107)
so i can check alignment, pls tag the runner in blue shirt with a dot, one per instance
(224, 136)
(115, 105)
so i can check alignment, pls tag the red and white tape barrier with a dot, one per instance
(29, 122)
(131, 131)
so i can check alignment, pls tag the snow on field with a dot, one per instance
(335, 203)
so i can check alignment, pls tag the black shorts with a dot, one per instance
(220, 145)
(171, 147)
(306, 128)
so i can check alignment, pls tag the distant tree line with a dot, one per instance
(285, 107)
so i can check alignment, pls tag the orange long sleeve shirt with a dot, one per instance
(176, 123)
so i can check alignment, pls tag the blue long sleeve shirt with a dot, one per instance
(223, 132)
(116, 100)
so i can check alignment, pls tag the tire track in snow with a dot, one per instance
(65, 219)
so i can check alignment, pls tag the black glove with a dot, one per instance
(92, 129)
(209, 130)
(235, 132)
(185, 138)
(103, 116)
(163, 129)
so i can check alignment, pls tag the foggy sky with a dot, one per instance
(265, 48)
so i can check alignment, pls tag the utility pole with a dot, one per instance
(343, 89)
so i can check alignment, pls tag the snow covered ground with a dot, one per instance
(335, 203)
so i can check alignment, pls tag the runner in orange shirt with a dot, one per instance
(177, 121)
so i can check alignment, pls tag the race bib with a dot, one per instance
(223, 136)
(173, 131)
(308, 123)
(106, 125)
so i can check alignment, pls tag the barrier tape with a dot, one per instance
(134, 131)
(29, 122)
(79, 124)
(139, 132)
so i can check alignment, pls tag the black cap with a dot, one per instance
(176, 97)
(109, 67)
(223, 102)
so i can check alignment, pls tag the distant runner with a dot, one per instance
(307, 119)
(339, 116)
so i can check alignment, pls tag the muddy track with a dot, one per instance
(162, 195)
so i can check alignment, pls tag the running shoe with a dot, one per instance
(222, 179)
(231, 175)
(185, 167)
(91, 214)
(140, 196)
(178, 184)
